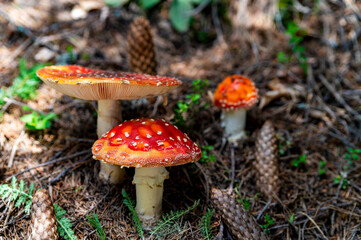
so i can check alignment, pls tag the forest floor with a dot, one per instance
(312, 99)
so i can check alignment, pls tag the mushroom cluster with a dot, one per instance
(234, 95)
(149, 145)
(106, 87)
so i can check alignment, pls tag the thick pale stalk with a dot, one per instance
(109, 115)
(149, 188)
(234, 122)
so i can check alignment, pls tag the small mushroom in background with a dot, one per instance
(44, 224)
(149, 145)
(235, 95)
(107, 88)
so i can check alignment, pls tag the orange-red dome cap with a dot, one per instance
(236, 91)
(146, 143)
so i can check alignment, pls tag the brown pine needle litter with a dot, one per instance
(315, 115)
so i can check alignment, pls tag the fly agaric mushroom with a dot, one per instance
(234, 95)
(107, 88)
(149, 145)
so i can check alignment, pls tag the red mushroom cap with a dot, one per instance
(234, 92)
(90, 84)
(146, 143)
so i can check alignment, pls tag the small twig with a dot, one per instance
(338, 96)
(232, 169)
(17, 220)
(339, 136)
(9, 213)
(354, 234)
(6, 209)
(62, 173)
(355, 186)
(48, 163)
(80, 139)
(187, 176)
(198, 9)
(91, 209)
(18, 103)
(15, 148)
(220, 233)
(217, 24)
(321, 212)
(264, 209)
(205, 178)
(314, 223)
(156, 105)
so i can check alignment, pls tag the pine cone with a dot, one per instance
(241, 224)
(141, 48)
(266, 161)
(44, 225)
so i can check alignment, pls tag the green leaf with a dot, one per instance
(194, 97)
(26, 108)
(64, 224)
(18, 194)
(205, 224)
(130, 204)
(206, 157)
(292, 218)
(36, 121)
(282, 57)
(269, 222)
(148, 4)
(170, 219)
(94, 222)
(26, 83)
(22, 67)
(197, 1)
(179, 14)
(3, 94)
(299, 161)
(114, 3)
(321, 167)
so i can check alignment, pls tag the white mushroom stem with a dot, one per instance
(234, 122)
(149, 188)
(109, 115)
